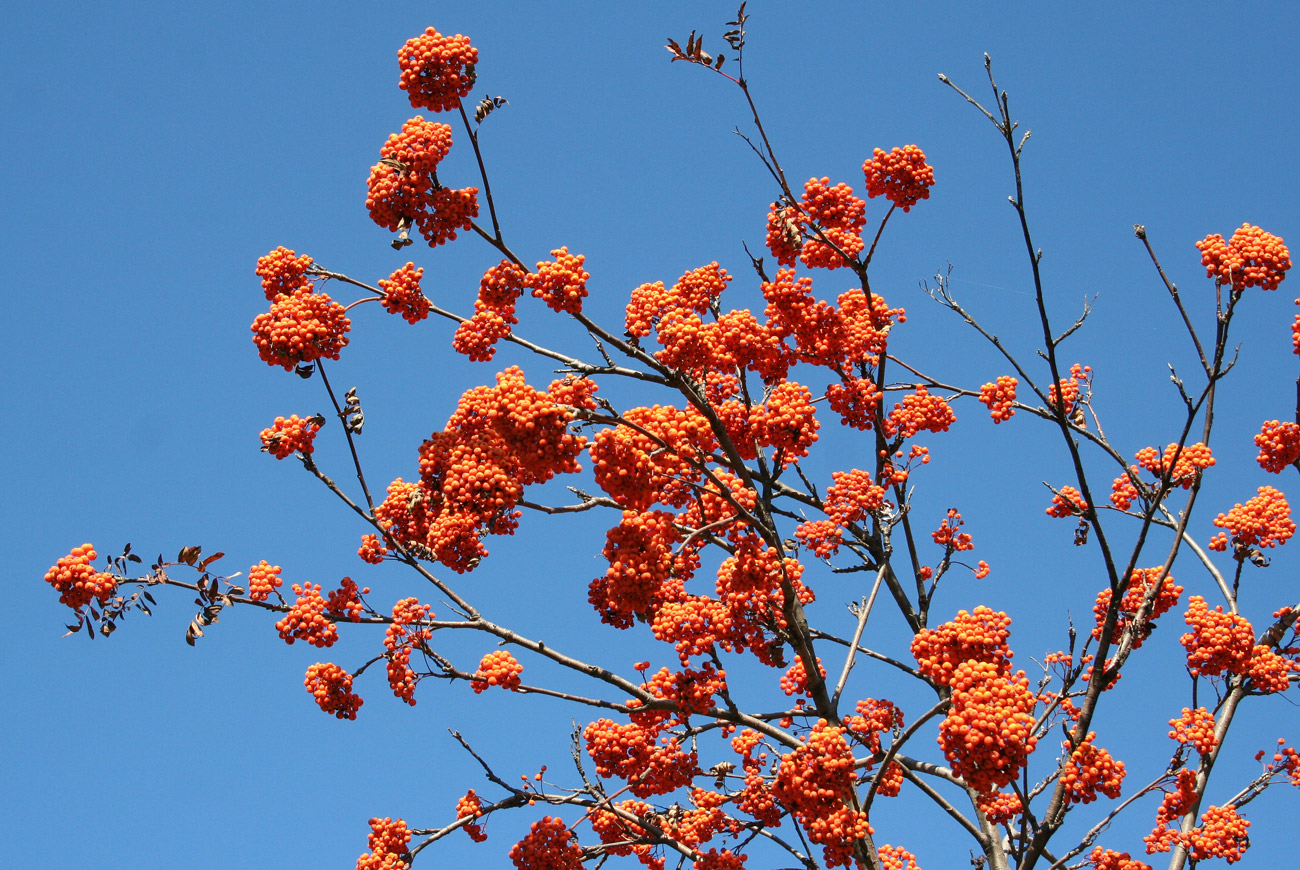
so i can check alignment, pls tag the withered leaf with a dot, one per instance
(203, 566)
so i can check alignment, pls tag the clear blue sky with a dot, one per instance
(151, 152)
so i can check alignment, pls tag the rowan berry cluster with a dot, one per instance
(1269, 671)
(400, 639)
(1000, 397)
(497, 669)
(896, 858)
(372, 549)
(1183, 471)
(388, 841)
(1090, 770)
(1140, 584)
(1279, 445)
(345, 602)
(649, 761)
(469, 807)
(283, 273)
(1285, 761)
(919, 412)
(291, 435)
(301, 328)
(307, 619)
(720, 860)
(1263, 521)
(77, 582)
(856, 401)
(1222, 833)
(815, 782)
(854, 332)
(263, 579)
(979, 636)
(494, 312)
(1174, 805)
(852, 497)
(1067, 393)
(901, 175)
(1251, 258)
(624, 837)
(639, 550)
(332, 688)
(548, 845)
(1218, 642)
(795, 680)
(472, 474)
(437, 70)
(1067, 502)
(1195, 727)
(403, 295)
(1000, 807)
(822, 537)
(691, 691)
(1107, 859)
(560, 283)
(840, 216)
(948, 537)
(988, 734)
(403, 188)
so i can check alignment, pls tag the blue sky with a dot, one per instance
(153, 151)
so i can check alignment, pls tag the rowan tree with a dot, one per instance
(756, 454)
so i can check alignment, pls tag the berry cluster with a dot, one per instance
(301, 328)
(1251, 258)
(1279, 445)
(1263, 521)
(852, 497)
(561, 283)
(437, 70)
(345, 602)
(332, 688)
(307, 619)
(1218, 641)
(291, 435)
(650, 762)
(815, 782)
(1000, 807)
(469, 807)
(263, 579)
(402, 294)
(840, 216)
(1183, 471)
(400, 640)
(1000, 397)
(1090, 770)
(549, 845)
(388, 841)
(856, 401)
(283, 273)
(372, 549)
(901, 175)
(494, 312)
(988, 734)
(795, 680)
(77, 582)
(948, 537)
(404, 189)
(1108, 859)
(1140, 584)
(497, 669)
(917, 412)
(896, 858)
(1222, 833)
(1195, 727)
(980, 636)
(1067, 502)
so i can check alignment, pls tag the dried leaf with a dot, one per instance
(203, 566)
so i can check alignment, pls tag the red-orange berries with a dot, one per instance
(562, 282)
(1218, 641)
(301, 328)
(332, 688)
(1106, 859)
(1279, 445)
(389, 839)
(979, 636)
(403, 295)
(372, 549)
(1222, 833)
(901, 175)
(948, 537)
(1091, 770)
(1263, 521)
(917, 412)
(1000, 397)
(289, 436)
(815, 782)
(497, 669)
(548, 846)
(283, 273)
(840, 216)
(1139, 585)
(404, 191)
(263, 579)
(77, 582)
(469, 807)
(401, 638)
(896, 858)
(1195, 727)
(1251, 258)
(437, 70)
(307, 620)
(988, 734)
